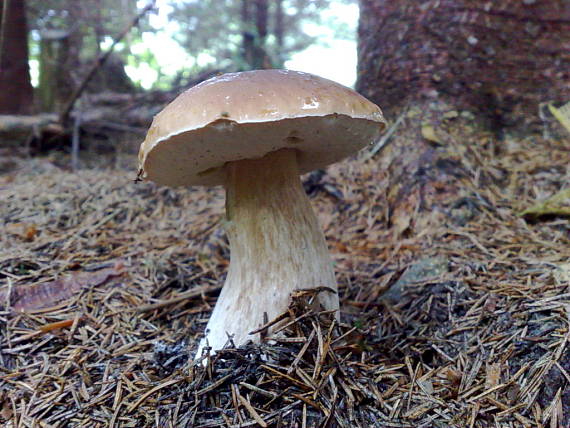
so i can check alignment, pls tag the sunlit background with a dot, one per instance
(157, 55)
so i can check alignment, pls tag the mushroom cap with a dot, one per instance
(246, 115)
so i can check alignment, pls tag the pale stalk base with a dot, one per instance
(276, 247)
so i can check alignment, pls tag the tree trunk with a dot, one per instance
(15, 86)
(261, 12)
(99, 28)
(254, 34)
(54, 46)
(456, 76)
(248, 38)
(70, 55)
(279, 32)
(261, 59)
(501, 58)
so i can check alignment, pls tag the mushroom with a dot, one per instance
(255, 132)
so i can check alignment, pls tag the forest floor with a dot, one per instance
(106, 286)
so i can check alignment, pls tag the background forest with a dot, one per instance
(195, 38)
(92, 54)
(450, 235)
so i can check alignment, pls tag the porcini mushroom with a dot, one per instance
(255, 132)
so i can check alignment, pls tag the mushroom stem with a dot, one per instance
(276, 247)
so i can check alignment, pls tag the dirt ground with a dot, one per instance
(106, 286)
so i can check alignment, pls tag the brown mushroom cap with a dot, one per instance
(247, 115)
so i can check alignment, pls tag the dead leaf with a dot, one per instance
(45, 294)
(454, 378)
(25, 231)
(6, 412)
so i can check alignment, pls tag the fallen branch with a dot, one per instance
(23, 124)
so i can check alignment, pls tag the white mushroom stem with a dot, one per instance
(276, 247)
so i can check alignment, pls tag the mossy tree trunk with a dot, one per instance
(54, 47)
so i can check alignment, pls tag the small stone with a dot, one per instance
(424, 269)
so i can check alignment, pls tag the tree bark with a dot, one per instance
(279, 31)
(261, 13)
(70, 54)
(262, 58)
(99, 28)
(248, 37)
(459, 75)
(54, 76)
(15, 85)
(254, 34)
(501, 58)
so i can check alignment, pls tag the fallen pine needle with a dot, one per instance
(57, 325)
(251, 411)
(183, 296)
